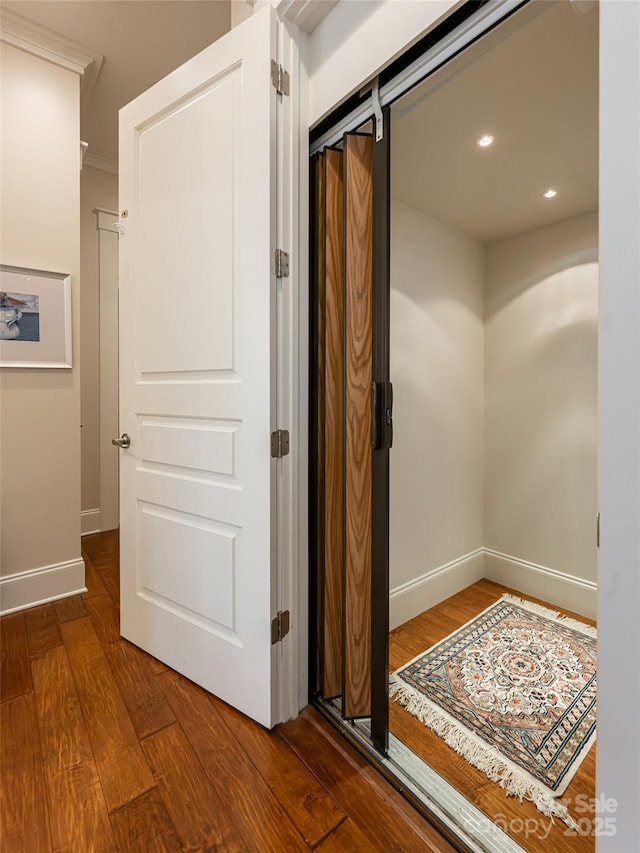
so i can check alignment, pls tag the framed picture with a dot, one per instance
(35, 318)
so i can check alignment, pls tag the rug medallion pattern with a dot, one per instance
(522, 682)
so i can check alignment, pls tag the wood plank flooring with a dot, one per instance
(105, 749)
(531, 829)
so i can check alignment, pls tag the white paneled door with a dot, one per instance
(197, 368)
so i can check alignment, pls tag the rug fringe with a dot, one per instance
(514, 781)
(555, 615)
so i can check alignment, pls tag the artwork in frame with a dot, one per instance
(35, 318)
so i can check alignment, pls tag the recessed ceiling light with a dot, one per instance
(485, 141)
(550, 193)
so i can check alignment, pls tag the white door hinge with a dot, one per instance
(279, 78)
(280, 264)
(279, 443)
(280, 625)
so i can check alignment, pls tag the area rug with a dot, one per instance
(514, 692)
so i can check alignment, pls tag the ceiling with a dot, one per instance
(141, 41)
(533, 85)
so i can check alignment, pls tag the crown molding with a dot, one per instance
(305, 14)
(101, 161)
(25, 35)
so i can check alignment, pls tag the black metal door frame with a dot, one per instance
(381, 436)
(348, 117)
(382, 415)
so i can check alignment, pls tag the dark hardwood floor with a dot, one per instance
(105, 749)
(531, 829)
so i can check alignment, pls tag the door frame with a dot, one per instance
(464, 824)
(292, 384)
(383, 418)
(109, 382)
(371, 41)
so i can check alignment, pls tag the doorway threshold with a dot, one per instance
(443, 805)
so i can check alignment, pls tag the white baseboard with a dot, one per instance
(90, 521)
(562, 590)
(38, 586)
(410, 599)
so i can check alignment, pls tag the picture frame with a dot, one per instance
(35, 318)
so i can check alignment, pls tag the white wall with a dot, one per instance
(618, 770)
(541, 403)
(357, 39)
(97, 189)
(494, 365)
(40, 449)
(437, 370)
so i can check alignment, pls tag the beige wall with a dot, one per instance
(541, 397)
(437, 341)
(97, 189)
(494, 366)
(40, 439)
(240, 11)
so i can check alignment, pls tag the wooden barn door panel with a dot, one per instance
(358, 189)
(333, 423)
(318, 413)
(343, 272)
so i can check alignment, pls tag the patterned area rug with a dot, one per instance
(514, 692)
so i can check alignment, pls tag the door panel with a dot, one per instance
(185, 239)
(358, 189)
(343, 371)
(197, 321)
(208, 596)
(333, 420)
(318, 415)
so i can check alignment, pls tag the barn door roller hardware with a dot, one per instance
(378, 118)
(377, 109)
